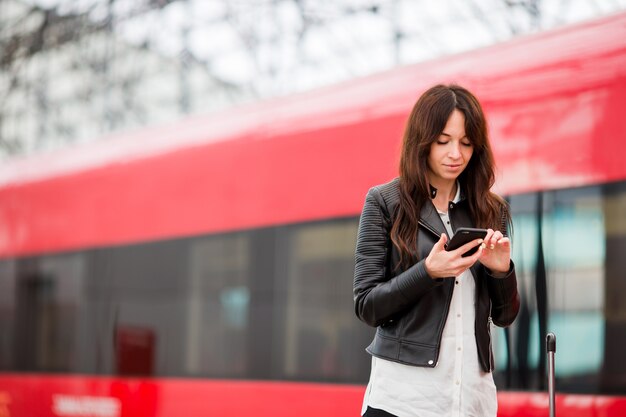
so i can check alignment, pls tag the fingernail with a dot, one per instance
(491, 246)
(483, 246)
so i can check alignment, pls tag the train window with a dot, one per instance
(217, 310)
(613, 374)
(134, 304)
(574, 243)
(7, 312)
(323, 339)
(47, 298)
(576, 267)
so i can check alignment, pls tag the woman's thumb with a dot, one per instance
(441, 243)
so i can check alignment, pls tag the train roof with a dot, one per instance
(522, 69)
(553, 100)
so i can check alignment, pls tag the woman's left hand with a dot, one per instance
(497, 252)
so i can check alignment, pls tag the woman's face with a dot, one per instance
(451, 152)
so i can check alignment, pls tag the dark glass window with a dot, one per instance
(217, 307)
(323, 340)
(7, 313)
(270, 303)
(46, 299)
(567, 283)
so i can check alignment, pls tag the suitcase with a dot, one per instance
(551, 350)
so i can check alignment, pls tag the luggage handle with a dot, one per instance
(551, 350)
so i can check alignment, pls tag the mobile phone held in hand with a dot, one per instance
(465, 235)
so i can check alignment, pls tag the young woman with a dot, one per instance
(433, 309)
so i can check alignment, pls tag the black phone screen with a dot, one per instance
(464, 235)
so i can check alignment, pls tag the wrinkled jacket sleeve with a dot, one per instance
(504, 296)
(377, 296)
(505, 301)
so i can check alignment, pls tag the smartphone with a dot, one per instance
(464, 235)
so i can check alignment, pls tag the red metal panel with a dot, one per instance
(236, 184)
(48, 396)
(526, 404)
(569, 139)
(555, 104)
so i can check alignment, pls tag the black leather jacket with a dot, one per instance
(408, 307)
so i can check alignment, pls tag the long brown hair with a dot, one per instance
(426, 123)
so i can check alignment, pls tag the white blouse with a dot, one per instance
(456, 386)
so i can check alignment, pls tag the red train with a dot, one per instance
(205, 268)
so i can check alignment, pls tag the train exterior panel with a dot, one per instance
(205, 267)
(52, 396)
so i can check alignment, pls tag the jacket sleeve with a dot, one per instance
(504, 296)
(505, 301)
(377, 296)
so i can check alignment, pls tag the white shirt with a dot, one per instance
(456, 386)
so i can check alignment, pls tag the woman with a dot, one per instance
(433, 309)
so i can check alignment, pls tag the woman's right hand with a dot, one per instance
(441, 263)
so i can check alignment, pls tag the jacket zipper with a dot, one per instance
(447, 307)
(444, 318)
(490, 353)
(440, 335)
(429, 228)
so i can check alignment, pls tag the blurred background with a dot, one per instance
(73, 71)
(181, 183)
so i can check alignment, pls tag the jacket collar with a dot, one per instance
(429, 216)
(457, 197)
